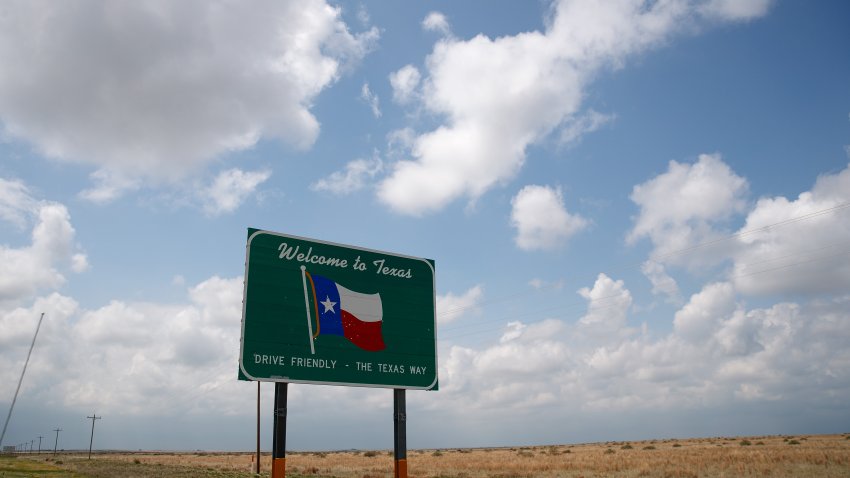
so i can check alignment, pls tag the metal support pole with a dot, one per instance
(279, 441)
(15, 398)
(400, 433)
(257, 470)
(93, 418)
(39, 443)
(57, 430)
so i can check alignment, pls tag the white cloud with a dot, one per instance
(451, 307)
(541, 219)
(662, 282)
(400, 141)
(17, 326)
(544, 370)
(155, 90)
(26, 270)
(581, 125)
(16, 202)
(109, 185)
(705, 311)
(371, 99)
(797, 246)
(498, 96)
(686, 206)
(404, 83)
(718, 354)
(736, 10)
(79, 263)
(608, 306)
(353, 178)
(229, 190)
(540, 284)
(782, 248)
(436, 22)
(111, 360)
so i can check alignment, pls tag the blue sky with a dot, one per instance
(638, 212)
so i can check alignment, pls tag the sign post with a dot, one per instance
(323, 313)
(279, 437)
(400, 433)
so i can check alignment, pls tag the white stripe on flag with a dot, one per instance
(366, 307)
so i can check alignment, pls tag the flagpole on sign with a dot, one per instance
(307, 306)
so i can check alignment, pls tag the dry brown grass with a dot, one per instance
(800, 456)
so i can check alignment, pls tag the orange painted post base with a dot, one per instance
(279, 468)
(400, 469)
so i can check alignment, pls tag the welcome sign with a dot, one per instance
(318, 312)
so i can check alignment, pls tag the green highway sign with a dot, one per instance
(318, 312)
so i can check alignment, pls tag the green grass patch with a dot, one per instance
(14, 467)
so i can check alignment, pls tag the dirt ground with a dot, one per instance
(773, 456)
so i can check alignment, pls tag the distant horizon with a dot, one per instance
(498, 447)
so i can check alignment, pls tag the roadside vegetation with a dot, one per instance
(775, 456)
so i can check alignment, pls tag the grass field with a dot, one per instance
(774, 456)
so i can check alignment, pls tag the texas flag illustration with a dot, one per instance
(353, 315)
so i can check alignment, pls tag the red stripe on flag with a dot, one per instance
(366, 335)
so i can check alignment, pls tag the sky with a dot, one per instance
(639, 213)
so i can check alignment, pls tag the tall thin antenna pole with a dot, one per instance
(21, 379)
(39, 443)
(93, 418)
(57, 430)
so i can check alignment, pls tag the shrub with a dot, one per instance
(437, 453)
(649, 447)
(609, 451)
(370, 453)
(626, 447)
(745, 443)
(137, 461)
(676, 445)
(793, 442)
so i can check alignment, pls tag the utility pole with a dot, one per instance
(57, 430)
(3, 434)
(39, 443)
(93, 418)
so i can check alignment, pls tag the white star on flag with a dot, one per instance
(329, 304)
